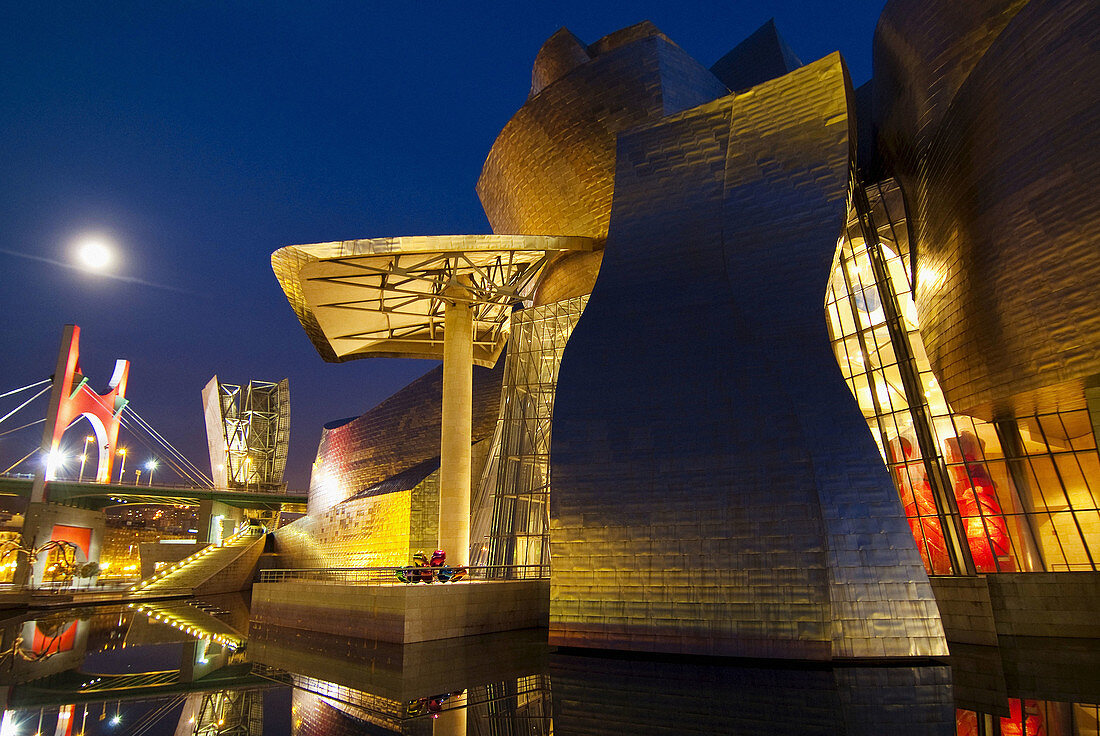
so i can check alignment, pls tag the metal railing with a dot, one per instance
(389, 575)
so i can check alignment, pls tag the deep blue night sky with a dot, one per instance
(202, 136)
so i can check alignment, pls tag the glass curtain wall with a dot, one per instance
(518, 474)
(1022, 492)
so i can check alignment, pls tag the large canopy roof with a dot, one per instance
(384, 297)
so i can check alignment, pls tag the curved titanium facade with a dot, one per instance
(393, 437)
(551, 170)
(923, 52)
(989, 132)
(715, 489)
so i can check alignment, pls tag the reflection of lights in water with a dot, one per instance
(9, 726)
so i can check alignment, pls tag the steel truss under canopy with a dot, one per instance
(386, 297)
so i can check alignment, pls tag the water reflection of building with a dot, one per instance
(155, 661)
(712, 486)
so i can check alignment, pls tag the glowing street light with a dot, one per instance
(122, 465)
(151, 464)
(84, 455)
(55, 462)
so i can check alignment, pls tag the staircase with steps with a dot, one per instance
(222, 568)
(196, 618)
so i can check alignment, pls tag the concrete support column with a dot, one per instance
(451, 722)
(457, 420)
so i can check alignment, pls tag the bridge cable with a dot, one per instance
(152, 718)
(133, 421)
(156, 446)
(19, 461)
(157, 435)
(24, 404)
(36, 448)
(28, 424)
(29, 385)
(133, 427)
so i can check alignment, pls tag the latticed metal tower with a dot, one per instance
(248, 432)
(225, 713)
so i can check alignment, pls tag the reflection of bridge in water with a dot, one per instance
(213, 686)
(75, 686)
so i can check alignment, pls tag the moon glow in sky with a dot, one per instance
(94, 254)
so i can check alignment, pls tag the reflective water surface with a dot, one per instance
(199, 667)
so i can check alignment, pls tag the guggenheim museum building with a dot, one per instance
(754, 362)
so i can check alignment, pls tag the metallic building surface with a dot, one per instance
(383, 525)
(396, 435)
(988, 112)
(550, 171)
(715, 487)
(762, 56)
(516, 526)
(560, 54)
(923, 52)
(567, 277)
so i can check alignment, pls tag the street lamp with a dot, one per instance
(151, 465)
(122, 465)
(55, 463)
(84, 455)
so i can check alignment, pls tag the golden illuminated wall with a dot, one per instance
(398, 434)
(367, 532)
(983, 110)
(551, 170)
(394, 519)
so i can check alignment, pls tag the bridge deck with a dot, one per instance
(98, 496)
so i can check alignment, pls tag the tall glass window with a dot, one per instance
(1024, 490)
(517, 477)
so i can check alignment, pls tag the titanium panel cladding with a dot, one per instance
(551, 170)
(396, 435)
(715, 487)
(990, 128)
(1008, 263)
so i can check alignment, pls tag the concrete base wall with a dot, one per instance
(965, 610)
(980, 610)
(237, 575)
(403, 613)
(38, 527)
(153, 552)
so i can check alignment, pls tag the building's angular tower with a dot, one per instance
(248, 433)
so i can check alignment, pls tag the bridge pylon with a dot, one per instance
(71, 399)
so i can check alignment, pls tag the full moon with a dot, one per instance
(95, 254)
